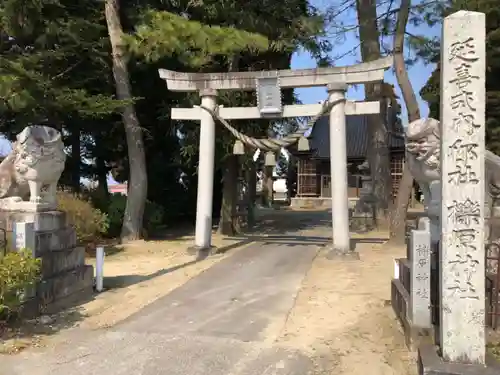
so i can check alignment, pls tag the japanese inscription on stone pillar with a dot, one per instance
(420, 294)
(462, 183)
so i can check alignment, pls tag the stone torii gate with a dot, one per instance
(268, 85)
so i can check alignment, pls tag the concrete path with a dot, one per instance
(225, 321)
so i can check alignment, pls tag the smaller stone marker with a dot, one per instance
(424, 223)
(24, 236)
(462, 252)
(420, 278)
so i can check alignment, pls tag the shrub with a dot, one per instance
(18, 271)
(88, 221)
(116, 210)
(153, 215)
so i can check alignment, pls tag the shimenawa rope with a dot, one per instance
(272, 144)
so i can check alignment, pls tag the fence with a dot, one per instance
(3, 241)
(493, 283)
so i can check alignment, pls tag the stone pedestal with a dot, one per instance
(431, 363)
(411, 287)
(51, 239)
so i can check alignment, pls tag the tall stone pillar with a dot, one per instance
(462, 252)
(338, 170)
(203, 237)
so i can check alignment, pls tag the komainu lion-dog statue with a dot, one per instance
(32, 169)
(423, 151)
(423, 155)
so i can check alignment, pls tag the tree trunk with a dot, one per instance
(404, 83)
(229, 196)
(252, 194)
(378, 147)
(102, 170)
(398, 216)
(228, 221)
(267, 187)
(137, 183)
(291, 178)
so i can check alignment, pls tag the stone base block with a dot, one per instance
(317, 202)
(26, 206)
(313, 202)
(400, 299)
(57, 262)
(202, 252)
(63, 285)
(54, 240)
(43, 221)
(430, 363)
(72, 300)
(57, 292)
(334, 254)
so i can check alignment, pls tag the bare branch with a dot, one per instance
(67, 70)
(398, 217)
(341, 56)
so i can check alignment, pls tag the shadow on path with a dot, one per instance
(274, 227)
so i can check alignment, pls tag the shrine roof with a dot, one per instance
(356, 138)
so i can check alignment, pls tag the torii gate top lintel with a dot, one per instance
(367, 72)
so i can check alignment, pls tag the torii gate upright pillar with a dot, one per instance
(338, 170)
(204, 199)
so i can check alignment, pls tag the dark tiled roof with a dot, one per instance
(356, 138)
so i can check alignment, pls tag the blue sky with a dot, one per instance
(419, 73)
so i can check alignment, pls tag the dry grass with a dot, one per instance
(341, 316)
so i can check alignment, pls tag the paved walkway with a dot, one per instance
(225, 321)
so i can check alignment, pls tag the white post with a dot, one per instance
(205, 172)
(338, 170)
(396, 269)
(462, 253)
(24, 236)
(99, 269)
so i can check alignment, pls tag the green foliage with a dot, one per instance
(431, 91)
(115, 211)
(55, 69)
(494, 349)
(153, 215)
(18, 271)
(162, 34)
(51, 56)
(89, 222)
